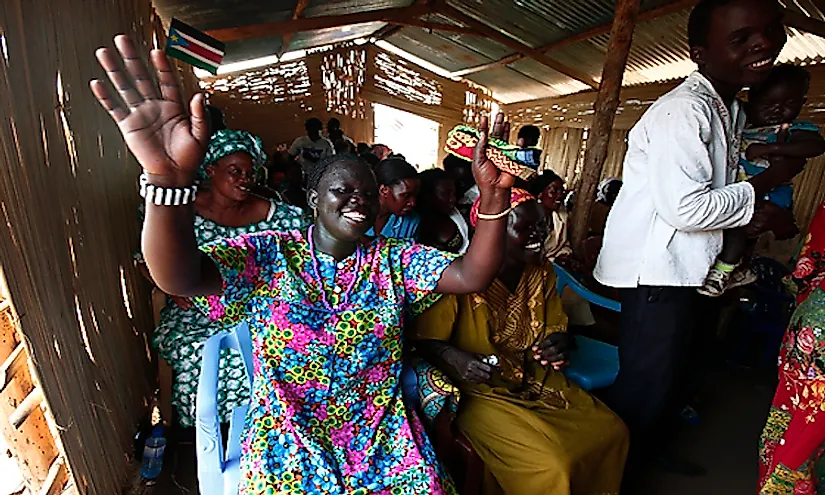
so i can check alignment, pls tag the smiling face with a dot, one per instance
(399, 199)
(232, 176)
(527, 227)
(552, 196)
(346, 200)
(779, 104)
(744, 39)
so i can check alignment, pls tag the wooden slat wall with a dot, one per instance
(68, 228)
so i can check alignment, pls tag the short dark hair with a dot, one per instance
(530, 132)
(700, 19)
(452, 162)
(314, 123)
(320, 169)
(430, 178)
(782, 74)
(540, 182)
(371, 159)
(363, 148)
(334, 121)
(394, 170)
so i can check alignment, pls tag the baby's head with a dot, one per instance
(780, 98)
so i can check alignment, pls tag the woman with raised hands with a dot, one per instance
(326, 309)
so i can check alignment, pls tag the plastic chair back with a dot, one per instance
(565, 279)
(219, 470)
(594, 364)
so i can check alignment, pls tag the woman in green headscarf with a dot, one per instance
(224, 208)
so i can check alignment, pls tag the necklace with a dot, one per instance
(317, 273)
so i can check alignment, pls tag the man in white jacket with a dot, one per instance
(665, 229)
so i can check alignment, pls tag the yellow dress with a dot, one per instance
(536, 435)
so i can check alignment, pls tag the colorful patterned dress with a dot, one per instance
(181, 333)
(327, 414)
(793, 441)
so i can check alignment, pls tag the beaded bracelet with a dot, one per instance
(484, 216)
(167, 196)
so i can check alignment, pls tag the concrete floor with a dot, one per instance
(733, 409)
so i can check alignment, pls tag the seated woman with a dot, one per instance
(504, 347)
(224, 208)
(398, 186)
(437, 203)
(325, 308)
(549, 190)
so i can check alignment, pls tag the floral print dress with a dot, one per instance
(327, 414)
(793, 441)
(181, 332)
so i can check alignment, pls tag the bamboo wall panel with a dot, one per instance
(68, 198)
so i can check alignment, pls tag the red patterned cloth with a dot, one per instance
(793, 441)
(517, 197)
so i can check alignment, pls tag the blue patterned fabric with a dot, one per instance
(783, 194)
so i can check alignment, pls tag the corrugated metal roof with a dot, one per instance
(318, 8)
(659, 51)
(310, 39)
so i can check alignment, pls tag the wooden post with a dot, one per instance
(607, 101)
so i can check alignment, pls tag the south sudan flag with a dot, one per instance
(194, 47)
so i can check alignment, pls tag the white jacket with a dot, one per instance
(665, 228)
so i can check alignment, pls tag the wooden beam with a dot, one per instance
(509, 59)
(25, 409)
(607, 101)
(300, 7)
(802, 22)
(56, 478)
(14, 363)
(645, 16)
(313, 23)
(492, 33)
(386, 31)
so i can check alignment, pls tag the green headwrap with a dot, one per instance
(226, 141)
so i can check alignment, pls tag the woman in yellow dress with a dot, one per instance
(504, 348)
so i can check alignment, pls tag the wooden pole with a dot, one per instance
(607, 101)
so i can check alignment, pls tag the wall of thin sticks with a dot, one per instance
(68, 203)
(274, 102)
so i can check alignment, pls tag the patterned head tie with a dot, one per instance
(226, 142)
(517, 197)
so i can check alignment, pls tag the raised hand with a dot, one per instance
(167, 142)
(485, 172)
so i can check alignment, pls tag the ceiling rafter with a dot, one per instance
(300, 7)
(314, 23)
(601, 29)
(514, 44)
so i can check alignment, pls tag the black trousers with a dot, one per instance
(656, 329)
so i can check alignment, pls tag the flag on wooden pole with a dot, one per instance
(194, 47)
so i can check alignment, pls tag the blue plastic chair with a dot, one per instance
(219, 471)
(594, 364)
(565, 279)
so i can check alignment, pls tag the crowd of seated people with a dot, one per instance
(331, 294)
